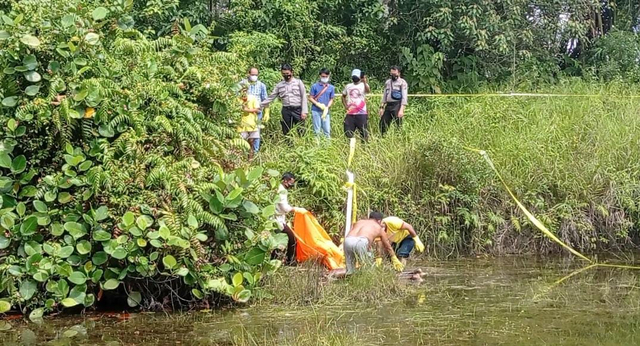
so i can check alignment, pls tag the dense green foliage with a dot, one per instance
(128, 182)
(571, 161)
(122, 177)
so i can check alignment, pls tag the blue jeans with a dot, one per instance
(321, 125)
(256, 142)
(405, 247)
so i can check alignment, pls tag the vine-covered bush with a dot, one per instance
(118, 165)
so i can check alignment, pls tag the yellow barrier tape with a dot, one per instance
(352, 151)
(515, 95)
(530, 216)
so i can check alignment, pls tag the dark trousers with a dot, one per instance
(357, 122)
(292, 116)
(390, 115)
(403, 250)
(291, 244)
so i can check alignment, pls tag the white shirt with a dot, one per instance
(282, 207)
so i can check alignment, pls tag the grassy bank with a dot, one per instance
(573, 161)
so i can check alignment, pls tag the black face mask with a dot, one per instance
(287, 77)
(394, 77)
(355, 79)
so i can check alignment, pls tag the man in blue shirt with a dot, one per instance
(259, 90)
(321, 95)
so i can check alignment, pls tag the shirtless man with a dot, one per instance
(357, 244)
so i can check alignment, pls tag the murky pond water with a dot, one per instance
(506, 301)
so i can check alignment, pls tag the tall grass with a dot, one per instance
(574, 161)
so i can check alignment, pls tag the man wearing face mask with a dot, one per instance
(394, 100)
(321, 96)
(257, 89)
(292, 92)
(353, 99)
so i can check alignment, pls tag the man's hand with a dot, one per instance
(397, 265)
(321, 106)
(303, 116)
(419, 245)
(401, 113)
(381, 112)
(365, 80)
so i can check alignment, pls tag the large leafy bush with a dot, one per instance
(118, 165)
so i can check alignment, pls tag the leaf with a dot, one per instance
(4, 35)
(36, 314)
(111, 284)
(32, 76)
(30, 62)
(4, 242)
(83, 247)
(76, 230)
(65, 251)
(21, 209)
(234, 194)
(197, 293)
(250, 207)
(92, 38)
(68, 20)
(237, 279)
(192, 221)
(69, 302)
(4, 306)
(134, 299)
(78, 278)
(99, 258)
(141, 242)
(5, 160)
(19, 164)
(119, 253)
(89, 300)
(30, 40)
(101, 236)
(64, 197)
(99, 13)
(102, 213)
(40, 206)
(169, 261)
(128, 219)
(41, 276)
(144, 221)
(182, 271)
(255, 256)
(28, 289)
(29, 226)
(243, 296)
(32, 90)
(164, 232)
(10, 101)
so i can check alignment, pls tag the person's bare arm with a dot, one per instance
(367, 89)
(409, 228)
(344, 100)
(385, 243)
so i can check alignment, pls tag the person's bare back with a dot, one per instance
(368, 228)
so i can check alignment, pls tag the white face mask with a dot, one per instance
(324, 79)
(253, 78)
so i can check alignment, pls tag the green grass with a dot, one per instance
(572, 161)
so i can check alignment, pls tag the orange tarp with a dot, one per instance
(314, 242)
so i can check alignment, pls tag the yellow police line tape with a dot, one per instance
(515, 95)
(544, 229)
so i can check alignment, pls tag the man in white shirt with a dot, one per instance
(282, 208)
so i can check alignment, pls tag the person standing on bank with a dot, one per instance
(394, 100)
(321, 96)
(354, 100)
(257, 89)
(282, 209)
(291, 91)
